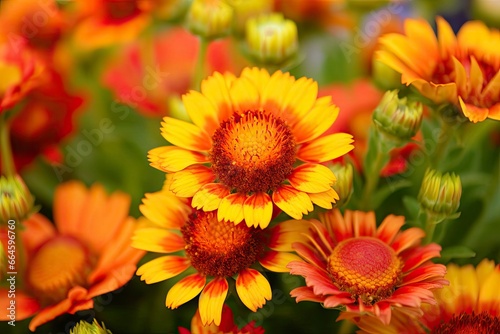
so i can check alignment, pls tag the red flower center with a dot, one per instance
(365, 267)
(58, 266)
(253, 152)
(120, 9)
(465, 323)
(219, 248)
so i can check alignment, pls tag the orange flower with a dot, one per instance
(216, 250)
(351, 264)
(251, 131)
(103, 23)
(19, 70)
(147, 86)
(39, 24)
(86, 255)
(227, 325)
(470, 304)
(463, 70)
(356, 118)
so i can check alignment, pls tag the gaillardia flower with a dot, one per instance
(216, 250)
(470, 304)
(227, 325)
(240, 155)
(463, 70)
(85, 255)
(352, 265)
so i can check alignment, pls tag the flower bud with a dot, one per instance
(343, 185)
(16, 201)
(440, 194)
(84, 327)
(271, 38)
(210, 18)
(246, 9)
(398, 119)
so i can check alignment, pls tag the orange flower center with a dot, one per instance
(59, 265)
(253, 152)
(365, 267)
(465, 323)
(220, 248)
(445, 73)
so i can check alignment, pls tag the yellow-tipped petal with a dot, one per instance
(211, 301)
(253, 289)
(185, 290)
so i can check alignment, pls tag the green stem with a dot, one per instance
(430, 227)
(442, 145)
(8, 167)
(200, 64)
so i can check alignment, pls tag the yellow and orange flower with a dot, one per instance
(470, 304)
(364, 270)
(463, 70)
(85, 255)
(216, 250)
(19, 70)
(227, 325)
(240, 154)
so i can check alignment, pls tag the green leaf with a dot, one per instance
(412, 206)
(457, 252)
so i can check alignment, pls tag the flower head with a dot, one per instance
(85, 255)
(349, 263)
(462, 70)
(216, 250)
(470, 304)
(240, 155)
(227, 325)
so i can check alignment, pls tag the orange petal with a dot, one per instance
(173, 159)
(278, 261)
(253, 288)
(209, 196)
(406, 239)
(446, 38)
(473, 113)
(211, 301)
(326, 148)
(69, 206)
(37, 230)
(201, 111)
(25, 305)
(113, 280)
(389, 228)
(162, 268)
(293, 202)
(187, 182)
(258, 210)
(325, 199)
(231, 208)
(159, 240)
(77, 296)
(185, 135)
(312, 178)
(185, 290)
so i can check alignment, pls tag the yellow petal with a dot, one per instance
(312, 178)
(209, 196)
(172, 158)
(165, 210)
(314, 123)
(216, 89)
(185, 290)
(293, 202)
(446, 38)
(201, 111)
(325, 199)
(157, 240)
(185, 135)
(326, 148)
(278, 261)
(253, 288)
(187, 182)
(231, 208)
(211, 301)
(258, 210)
(162, 268)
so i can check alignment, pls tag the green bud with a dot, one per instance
(84, 327)
(210, 18)
(343, 185)
(440, 194)
(398, 119)
(16, 201)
